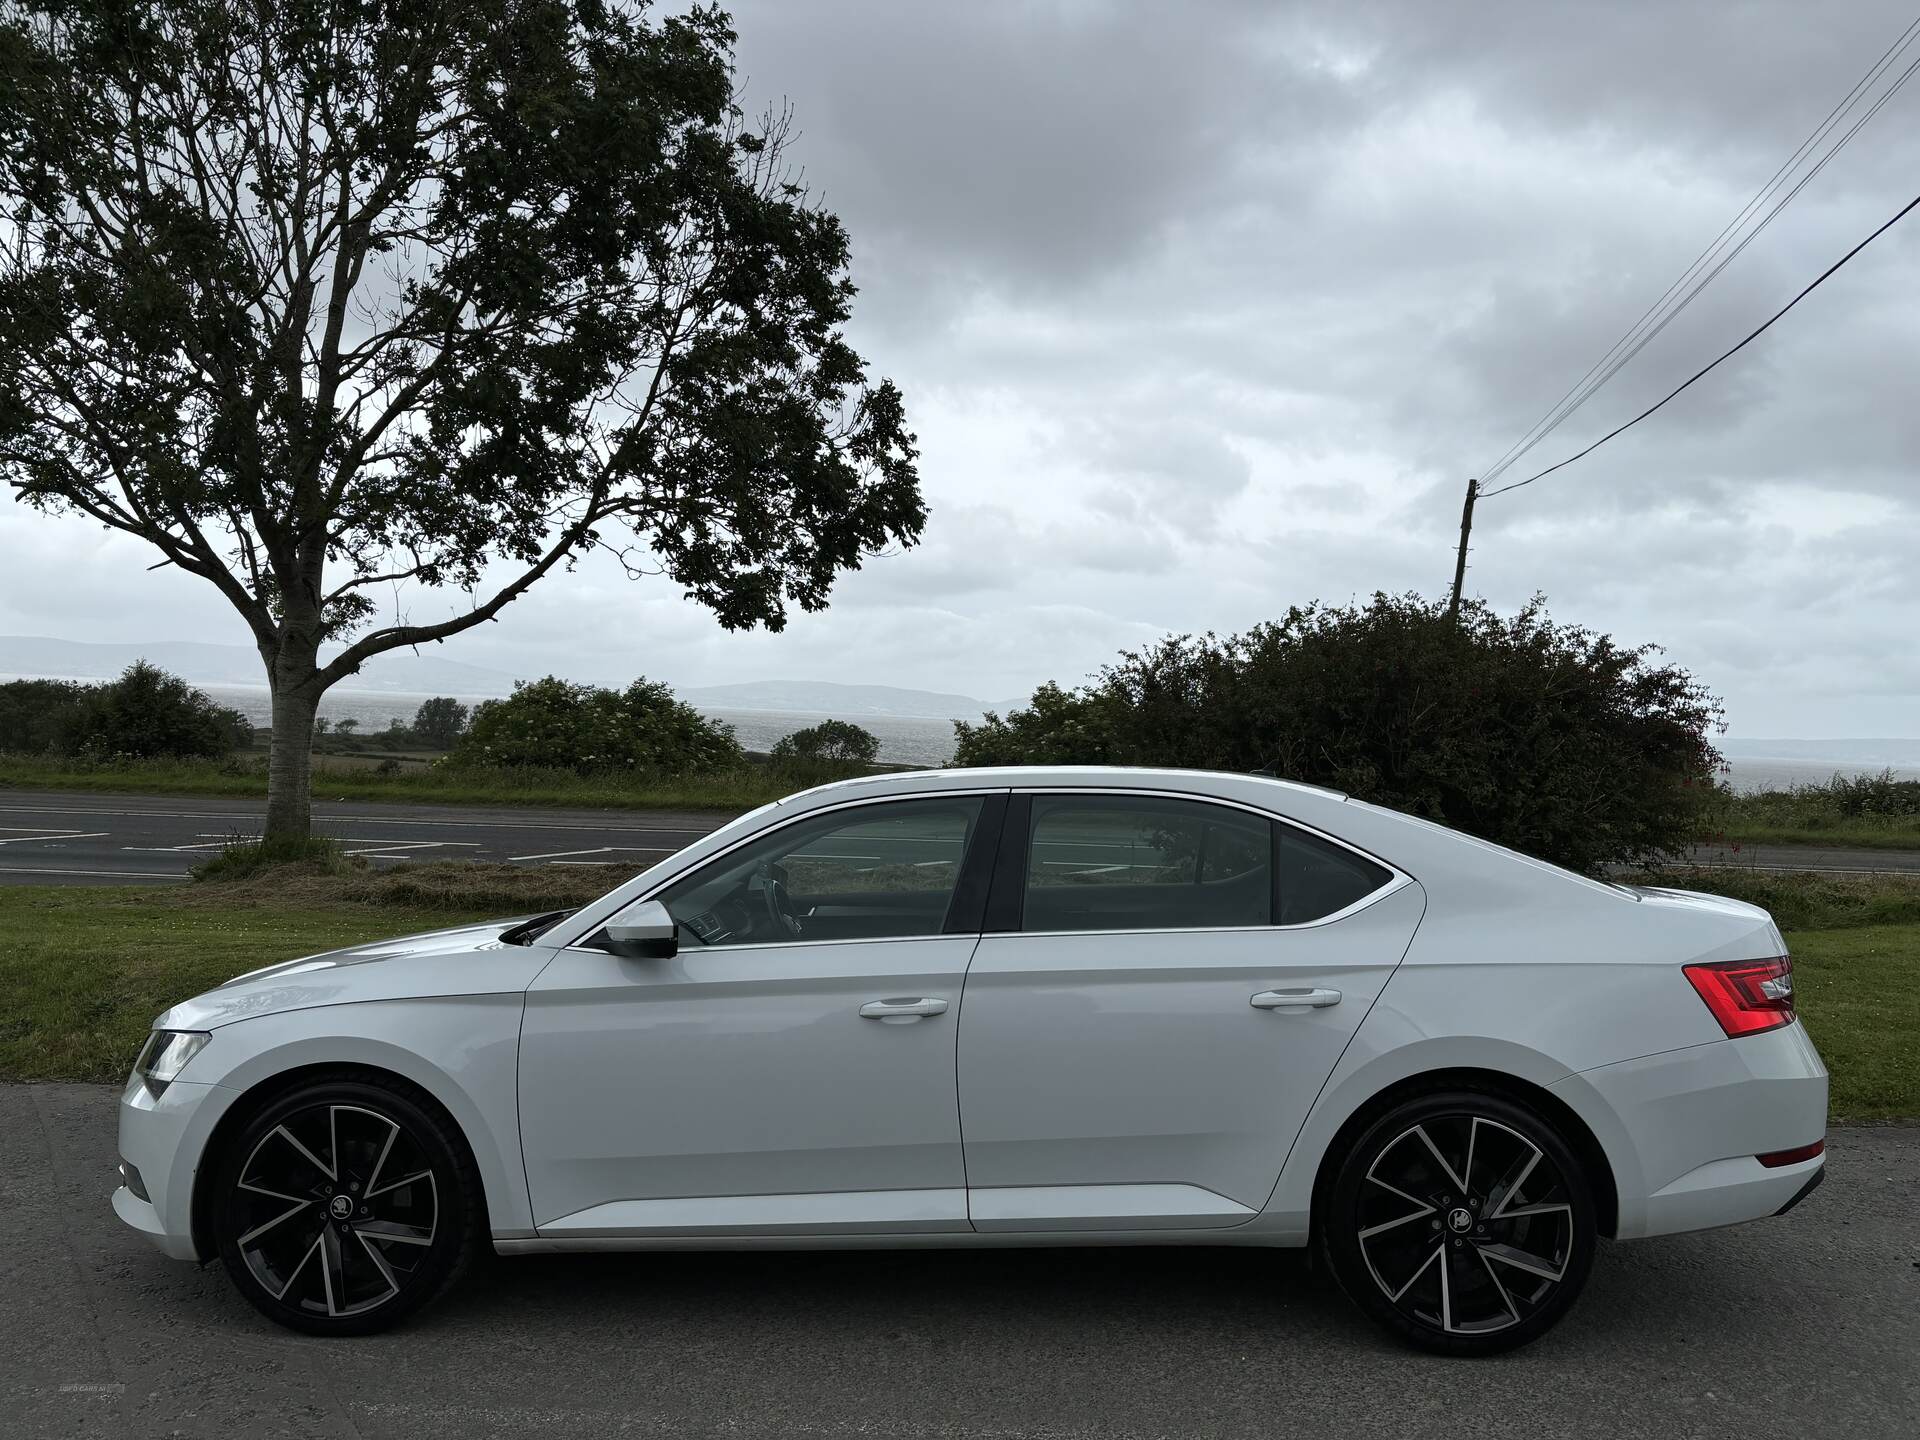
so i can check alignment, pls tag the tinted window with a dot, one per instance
(1318, 878)
(873, 872)
(1119, 863)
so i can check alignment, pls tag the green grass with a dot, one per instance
(84, 971)
(1858, 994)
(732, 790)
(1843, 834)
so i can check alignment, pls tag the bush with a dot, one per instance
(557, 725)
(438, 722)
(831, 742)
(146, 714)
(35, 715)
(1549, 739)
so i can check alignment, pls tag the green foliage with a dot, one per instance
(35, 715)
(831, 742)
(438, 722)
(555, 724)
(1546, 738)
(145, 714)
(1874, 812)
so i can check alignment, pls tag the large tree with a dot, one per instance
(326, 298)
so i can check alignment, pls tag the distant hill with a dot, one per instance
(825, 697)
(207, 664)
(1846, 754)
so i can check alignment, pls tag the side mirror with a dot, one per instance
(646, 932)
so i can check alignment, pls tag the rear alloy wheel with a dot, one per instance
(344, 1205)
(1463, 1222)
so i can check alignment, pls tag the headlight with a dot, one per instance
(166, 1054)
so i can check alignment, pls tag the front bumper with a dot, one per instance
(1689, 1124)
(163, 1137)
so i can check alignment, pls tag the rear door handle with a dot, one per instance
(903, 1009)
(1295, 999)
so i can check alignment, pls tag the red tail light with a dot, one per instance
(1746, 996)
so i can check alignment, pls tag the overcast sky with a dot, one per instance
(1203, 310)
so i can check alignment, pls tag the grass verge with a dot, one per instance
(1857, 994)
(84, 971)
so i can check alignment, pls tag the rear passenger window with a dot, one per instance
(1318, 878)
(1120, 863)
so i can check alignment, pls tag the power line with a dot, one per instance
(1824, 275)
(1734, 254)
(1643, 330)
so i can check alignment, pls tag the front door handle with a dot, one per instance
(1295, 999)
(885, 1010)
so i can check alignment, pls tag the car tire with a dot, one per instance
(346, 1203)
(1462, 1221)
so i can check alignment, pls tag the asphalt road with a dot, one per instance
(56, 838)
(1802, 1326)
(66, 838)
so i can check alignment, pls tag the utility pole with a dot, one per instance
(1460, 564)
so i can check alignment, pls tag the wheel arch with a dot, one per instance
(264, 1090)
(1552, 1108)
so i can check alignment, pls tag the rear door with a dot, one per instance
(1165, 986)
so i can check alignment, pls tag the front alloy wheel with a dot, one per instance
(1463, 1222)
(344, 1205)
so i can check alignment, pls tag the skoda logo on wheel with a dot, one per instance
(340, 1207)
(1459, 1220)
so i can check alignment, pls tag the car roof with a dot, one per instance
(1112, 777)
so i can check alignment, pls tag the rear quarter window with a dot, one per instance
(1318, 878)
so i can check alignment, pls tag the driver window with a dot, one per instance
(883, 871)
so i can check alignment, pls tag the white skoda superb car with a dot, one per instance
(1005, 1007)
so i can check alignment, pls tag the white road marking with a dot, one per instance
(558, 857)
(62, 835)
(400, 849)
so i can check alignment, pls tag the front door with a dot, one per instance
(1140, 1048)
(791, 1070)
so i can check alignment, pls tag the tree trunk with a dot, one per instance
(290, 761)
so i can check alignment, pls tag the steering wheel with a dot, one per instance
(770, 880)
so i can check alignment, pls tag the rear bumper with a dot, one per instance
(1685, 1128)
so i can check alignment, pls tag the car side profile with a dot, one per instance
(1075, 1006)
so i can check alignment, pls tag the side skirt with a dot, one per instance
(1245, 1238)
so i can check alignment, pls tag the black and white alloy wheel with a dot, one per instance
(344, 1205)
(1463, 1222)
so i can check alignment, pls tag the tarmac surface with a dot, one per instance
(70, 838)
(1805, 1325)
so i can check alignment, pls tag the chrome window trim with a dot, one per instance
(803, 944)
